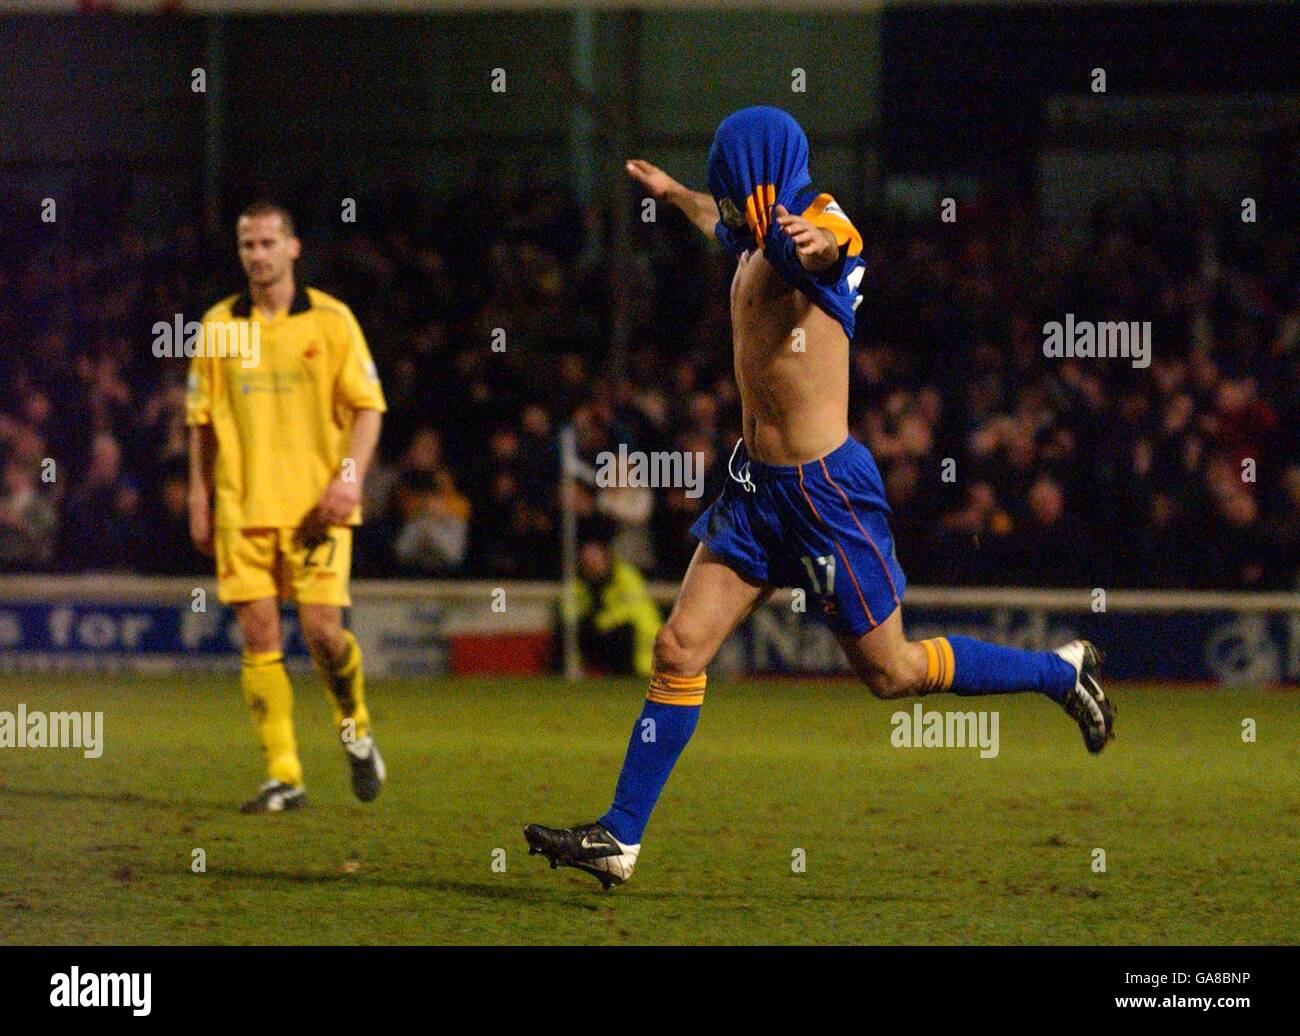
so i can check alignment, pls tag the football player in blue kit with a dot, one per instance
(805, 505)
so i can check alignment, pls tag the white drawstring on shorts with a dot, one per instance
(743, 478)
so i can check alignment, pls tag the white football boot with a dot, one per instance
(1087, 703)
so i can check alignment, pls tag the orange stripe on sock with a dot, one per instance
(667, 689)
(931, 665)
(939, 664)
(950, 663)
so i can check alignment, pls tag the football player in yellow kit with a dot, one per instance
(284, 407)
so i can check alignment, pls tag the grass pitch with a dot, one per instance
(902, 845)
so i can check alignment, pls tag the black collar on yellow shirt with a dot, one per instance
(242, 307)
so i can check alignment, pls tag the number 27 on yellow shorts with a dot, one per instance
(257, 563)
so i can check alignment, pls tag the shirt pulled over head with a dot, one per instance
(759, 160)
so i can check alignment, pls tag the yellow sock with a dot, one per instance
(270, 697)
(345, 686)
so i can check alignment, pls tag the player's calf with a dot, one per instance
(899, 675)
(887, 663)
(338, 660)
(713, 601)
(893, 667)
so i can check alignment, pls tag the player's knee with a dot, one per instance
(677, 653)
(262, 640)
(261, 632)
(323, 636)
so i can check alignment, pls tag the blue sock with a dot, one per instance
(975, 667)
(658, 737)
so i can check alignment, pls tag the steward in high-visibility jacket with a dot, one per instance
(617, 618)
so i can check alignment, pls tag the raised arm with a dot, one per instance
(700, 208)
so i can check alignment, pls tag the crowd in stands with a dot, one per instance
(1003, 466)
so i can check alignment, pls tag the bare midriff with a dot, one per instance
(794, 387)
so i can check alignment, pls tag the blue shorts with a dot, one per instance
(821, 526)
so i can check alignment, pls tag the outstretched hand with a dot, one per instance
(700, 208)
(658, 183)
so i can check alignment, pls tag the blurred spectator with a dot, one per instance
(993, 455)
(629, 508)
(29, 520)
(1052, 548)
(171, 551)
(432, 515)
(103, 524)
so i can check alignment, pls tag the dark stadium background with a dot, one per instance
(477, 211)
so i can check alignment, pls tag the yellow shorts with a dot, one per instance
(257, 563)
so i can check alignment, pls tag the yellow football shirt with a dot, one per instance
(280, 394)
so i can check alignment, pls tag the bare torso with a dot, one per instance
(794, 390)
